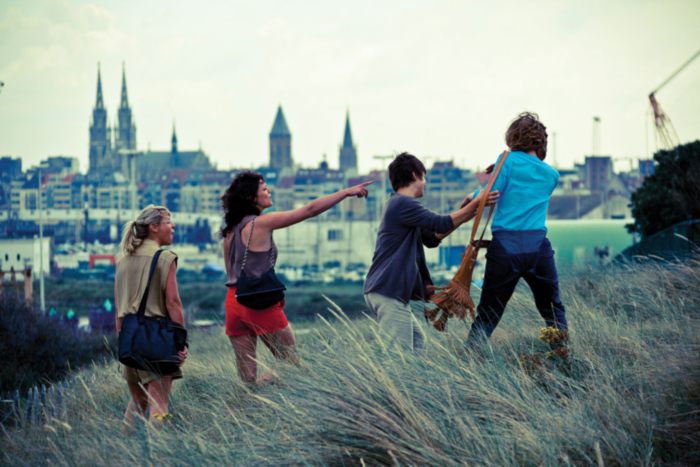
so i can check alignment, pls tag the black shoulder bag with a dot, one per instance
(151, 344)
(262, 292)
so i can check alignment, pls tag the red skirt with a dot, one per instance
(241, 320)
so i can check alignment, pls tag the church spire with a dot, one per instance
(99, 102)
(174, 139)
(348, 151)
(124, 100)
(100, 133)
(125, 132)
(347, 140)
(280, 143)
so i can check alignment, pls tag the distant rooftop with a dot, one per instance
(483, 178)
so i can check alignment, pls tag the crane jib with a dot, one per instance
(675, 73)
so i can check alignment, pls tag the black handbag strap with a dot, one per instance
(245, 255)
(142, 307)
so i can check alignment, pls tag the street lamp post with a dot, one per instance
(380, 206)
(132, 185)
(85, 227)
(131, 154)
(41, 244)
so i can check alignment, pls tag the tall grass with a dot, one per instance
(36, 349)
(356, 400)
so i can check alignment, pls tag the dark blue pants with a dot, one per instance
(503, 271)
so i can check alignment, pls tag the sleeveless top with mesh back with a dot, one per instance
(258, 262)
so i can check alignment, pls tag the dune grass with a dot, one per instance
(630, 396)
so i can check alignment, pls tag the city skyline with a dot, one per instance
(433, 81)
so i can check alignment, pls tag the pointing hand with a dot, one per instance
(359, 190)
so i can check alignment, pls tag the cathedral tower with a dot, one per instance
(100, 133)
(174, 159)
(173, 141)
(280, 143)
(348, 152)
(126, 132)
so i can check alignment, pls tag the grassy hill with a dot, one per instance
(629, 396)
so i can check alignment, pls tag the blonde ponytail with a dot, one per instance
(135, 232)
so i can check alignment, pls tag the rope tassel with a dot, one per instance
(454, 299)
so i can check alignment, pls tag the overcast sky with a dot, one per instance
(438, 79)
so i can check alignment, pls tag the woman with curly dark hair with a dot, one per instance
(247, 228)
(520, 247)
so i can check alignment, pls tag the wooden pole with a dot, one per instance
(13, 278)
(28, 287)
(30, 403)
(41, 246)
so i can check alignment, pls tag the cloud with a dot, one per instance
(277, 29)
(64, 34)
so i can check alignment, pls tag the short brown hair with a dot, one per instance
(527, 133)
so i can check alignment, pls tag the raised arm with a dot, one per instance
(280, 220)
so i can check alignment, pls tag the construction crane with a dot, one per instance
(665, 135)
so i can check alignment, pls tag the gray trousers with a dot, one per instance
(397, 320)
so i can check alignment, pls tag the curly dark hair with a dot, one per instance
(527, 133)
(239, 199)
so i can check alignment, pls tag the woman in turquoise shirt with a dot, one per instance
(520, 247)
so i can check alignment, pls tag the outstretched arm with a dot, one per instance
(414, 214)
(468, 211)
(280, 220)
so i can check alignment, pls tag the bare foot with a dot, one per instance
(266, 379)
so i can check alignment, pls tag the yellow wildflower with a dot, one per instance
(162, 416)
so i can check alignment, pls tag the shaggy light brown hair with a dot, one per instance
(527, 133)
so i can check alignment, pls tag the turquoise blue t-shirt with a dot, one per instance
(524, 185)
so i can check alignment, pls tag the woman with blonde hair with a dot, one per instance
(141, 240)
